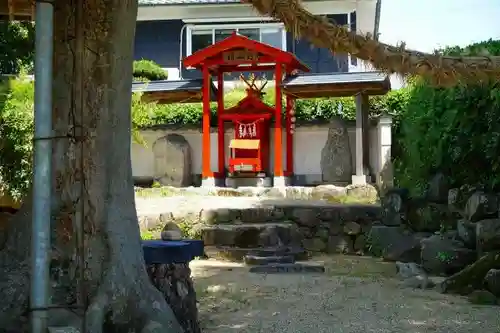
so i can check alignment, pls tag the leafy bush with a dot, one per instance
(16, 131)
(452, 130)
(149, 70)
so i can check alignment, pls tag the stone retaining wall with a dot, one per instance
(331, 228)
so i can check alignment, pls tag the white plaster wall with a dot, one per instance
(308, 142)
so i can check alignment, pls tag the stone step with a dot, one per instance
(250, 235)
(288, 268)
(238, 254)
(257, 260)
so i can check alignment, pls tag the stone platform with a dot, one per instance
(233, 227)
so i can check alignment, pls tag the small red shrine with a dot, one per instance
(253, 120)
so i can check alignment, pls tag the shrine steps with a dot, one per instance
(258, 256)
(250, 235)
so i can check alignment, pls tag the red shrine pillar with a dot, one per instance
(279, 179)
(206, 173)
(221, 149)
(290, 105)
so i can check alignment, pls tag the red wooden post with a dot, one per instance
(289, 136)
(220, 125)
(205, 154)
(278, 144)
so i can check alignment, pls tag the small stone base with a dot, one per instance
(208, 182)
(281, 181)
(359, 180)
(175, 283)
(258, 260)
(288, 268)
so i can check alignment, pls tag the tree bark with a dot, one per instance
(115, 290)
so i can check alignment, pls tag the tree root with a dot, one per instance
(472, 276)
(132, 304)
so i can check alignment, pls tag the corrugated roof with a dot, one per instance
(184, 2)
(332, 78)
(153, 86)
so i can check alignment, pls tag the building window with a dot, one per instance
(201, 36)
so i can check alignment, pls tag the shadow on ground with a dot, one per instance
(356, 294)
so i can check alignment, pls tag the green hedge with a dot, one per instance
(455, 131)
(307, 110)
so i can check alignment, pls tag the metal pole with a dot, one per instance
(42, 174)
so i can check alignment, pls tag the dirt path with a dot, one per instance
(355, 295)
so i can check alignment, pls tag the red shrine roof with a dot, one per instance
(238, 51)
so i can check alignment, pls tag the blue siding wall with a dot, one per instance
(160, 41)
(320, 60)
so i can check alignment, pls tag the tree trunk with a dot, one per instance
(116, 292)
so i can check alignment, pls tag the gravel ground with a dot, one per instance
(355, 295)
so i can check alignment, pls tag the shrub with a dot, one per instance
(452, 130)
(16, 131)
(149, 70)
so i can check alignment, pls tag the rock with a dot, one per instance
(360, 243)
(336, 229)
(352, 228)
(393, 206)
(467, 233)
(413, 275)
(419, 282)
(394, 244)
(454, 197)
(314, 244)
(482, 297)
(492, 281)
(171, 235)
(336, 159)
(366, 193)
(306, 217)
(481, 206)
(340, 244)
(269, 238)
(488, 235)
(442, 255)
(438, 188)
(323, 234)
(172, 161)
(327, 192)
(408, 269)
(422, 216)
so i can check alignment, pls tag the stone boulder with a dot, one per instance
(172, 161)
(336, 157)
(480, 206)
(366, 193)
(467, 233)
(423, 216)
(438, 188)
(394, 206)
(445, 255)
(394, 243)
(488, 235)
(492, 281)
(328, 192)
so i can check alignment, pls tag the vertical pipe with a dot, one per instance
(42, 174)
